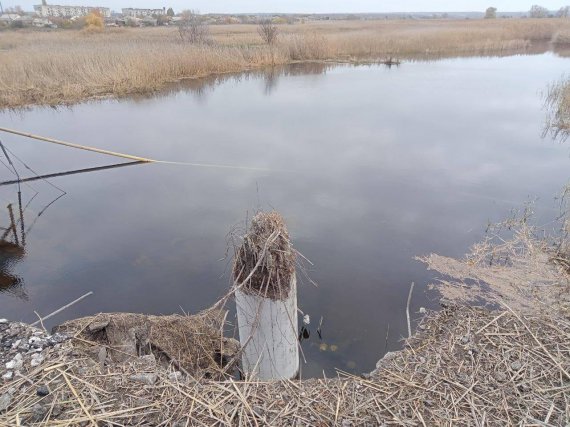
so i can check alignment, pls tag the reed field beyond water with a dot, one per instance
(68, 66)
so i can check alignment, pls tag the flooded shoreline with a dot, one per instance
(76, 67)
(358, 159)
(270, 73)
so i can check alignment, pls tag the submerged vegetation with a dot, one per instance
(60, 67)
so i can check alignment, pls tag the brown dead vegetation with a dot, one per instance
(193, 344)
(465, 366)
(62, 67)
(522, 272)
(264, 260)
(517, 265)
(557, 103)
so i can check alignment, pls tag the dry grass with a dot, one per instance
(562, 38)
(466, 366)
(194, 344)
(519, 272)
(74, 67)
(557, 103)
(517, 264)
(69, 66)
(264, 262)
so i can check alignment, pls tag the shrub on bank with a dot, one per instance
(94, 23)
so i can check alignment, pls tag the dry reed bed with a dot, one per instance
(466, 366)
(562, 38)
(69, 66)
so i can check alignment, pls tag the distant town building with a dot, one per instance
(141, 13)
(8, 17)
(51, 10)
(16, 20)
(43, 23)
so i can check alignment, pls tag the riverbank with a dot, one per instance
(66, 67)
(464, 364)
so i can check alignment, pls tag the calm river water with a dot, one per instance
(370, 166)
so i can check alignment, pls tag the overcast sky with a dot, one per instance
(307, 6)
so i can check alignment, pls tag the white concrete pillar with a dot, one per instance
(268, 334)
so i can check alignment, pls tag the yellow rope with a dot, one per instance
(81, 147)
(213, 165)
(126, 156)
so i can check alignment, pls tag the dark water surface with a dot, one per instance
(370, 167)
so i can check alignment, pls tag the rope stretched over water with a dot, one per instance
(125, 156)
(214, 165)
(81, 147)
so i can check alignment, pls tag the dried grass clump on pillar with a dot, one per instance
(265, 262)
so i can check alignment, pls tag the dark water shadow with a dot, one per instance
(11, 254)
(14, 236)
(12, 251)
